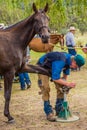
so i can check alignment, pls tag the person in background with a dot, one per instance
(70, 41)
(24, 78)
(56, 63)
(84, 49)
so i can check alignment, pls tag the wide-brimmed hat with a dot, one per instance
(72, 28)
(80, 61)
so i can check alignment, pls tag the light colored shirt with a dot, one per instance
(70, 40)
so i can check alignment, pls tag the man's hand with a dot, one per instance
(71, 85)
(65, 83)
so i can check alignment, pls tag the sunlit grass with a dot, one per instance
(27, 106)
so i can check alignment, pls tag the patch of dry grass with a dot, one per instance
(27, 106)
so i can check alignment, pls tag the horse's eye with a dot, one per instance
(36, 20)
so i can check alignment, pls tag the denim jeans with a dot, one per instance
(24, 79)
(71, 50)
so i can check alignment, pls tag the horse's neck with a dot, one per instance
(27, 32)
(24, 31)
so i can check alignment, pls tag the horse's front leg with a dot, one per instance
(8, 78)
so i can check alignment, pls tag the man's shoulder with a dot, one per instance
(69, 33)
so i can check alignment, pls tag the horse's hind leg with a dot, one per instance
(8, 78)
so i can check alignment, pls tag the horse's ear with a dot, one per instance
(34, 8)
(46, 8)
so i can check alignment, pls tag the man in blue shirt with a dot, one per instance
(56, 63)
(70, 41)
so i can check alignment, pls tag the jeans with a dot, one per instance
(24, 79)
(71, 50)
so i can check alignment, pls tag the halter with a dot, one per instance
(44, 27)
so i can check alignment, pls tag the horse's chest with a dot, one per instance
(18, 61)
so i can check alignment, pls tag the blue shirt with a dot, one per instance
(57, 66)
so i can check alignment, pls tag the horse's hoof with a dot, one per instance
(11, 121)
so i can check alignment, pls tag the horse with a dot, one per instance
(14, 40)
(40, 47)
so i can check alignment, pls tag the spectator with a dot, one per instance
(84, 49)
(24, 77)
(70, 41)
(24, 80)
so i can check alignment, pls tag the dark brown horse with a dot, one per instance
(13, 43)
(40, 47)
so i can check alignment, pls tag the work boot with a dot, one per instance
(51, 117)
(23, 88)
(49, 111)
(59, 106)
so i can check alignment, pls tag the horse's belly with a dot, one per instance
(37, 45)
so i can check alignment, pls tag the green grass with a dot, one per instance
(35, 56)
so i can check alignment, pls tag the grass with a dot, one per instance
(27, 106)
(79, 39)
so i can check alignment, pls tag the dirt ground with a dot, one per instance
(27, 106)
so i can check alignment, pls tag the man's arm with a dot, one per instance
(64, 76)
(65, 83)
(57, 67)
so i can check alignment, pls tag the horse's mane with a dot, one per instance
(18, 24)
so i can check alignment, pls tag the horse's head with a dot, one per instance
(55, 38)
(41, 23)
